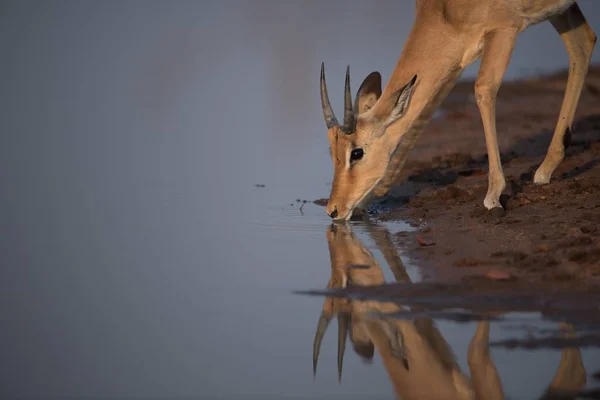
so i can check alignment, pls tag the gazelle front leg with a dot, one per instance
(484, 375)
(497, 49)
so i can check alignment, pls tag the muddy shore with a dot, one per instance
(549, 233)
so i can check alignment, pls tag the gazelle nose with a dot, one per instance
(333, 213)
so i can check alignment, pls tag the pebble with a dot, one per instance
(499, 275)
(424, 242)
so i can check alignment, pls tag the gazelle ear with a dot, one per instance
(368, 93)
(361, 342)
(402, 101)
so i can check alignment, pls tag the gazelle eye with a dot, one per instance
(356, 154)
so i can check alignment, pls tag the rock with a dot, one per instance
(542, 248)
(424, 242)
(499, 275)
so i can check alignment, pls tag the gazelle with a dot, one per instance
(419, 361)
(371, 146)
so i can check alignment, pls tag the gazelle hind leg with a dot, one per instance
(570, 376)
(579, 39)
(497, 49)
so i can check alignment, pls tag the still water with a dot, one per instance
(139, 259)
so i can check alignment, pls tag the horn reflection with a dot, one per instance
(321, 329)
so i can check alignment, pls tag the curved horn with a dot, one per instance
(321, 328)
(343, 327)
(349, 121)
(330, 119)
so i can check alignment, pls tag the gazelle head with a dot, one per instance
(360, 151)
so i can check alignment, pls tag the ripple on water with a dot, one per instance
(274, 220)
(310, 222)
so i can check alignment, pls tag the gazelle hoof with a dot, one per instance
(541, 178)
(491, 203)
(497, 212)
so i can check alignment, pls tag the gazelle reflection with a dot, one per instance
(418, 360)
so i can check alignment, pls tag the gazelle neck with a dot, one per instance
(437, 55)
(437, 63)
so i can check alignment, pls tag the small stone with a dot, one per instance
(498, 275)
(423, 242)
(542, 248)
